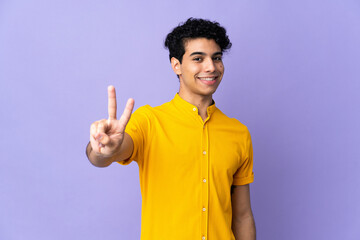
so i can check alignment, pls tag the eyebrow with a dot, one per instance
(203, 54)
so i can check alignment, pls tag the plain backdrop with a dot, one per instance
(292, 76)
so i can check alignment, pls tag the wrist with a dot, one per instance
(97, 159)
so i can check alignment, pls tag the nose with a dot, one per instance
(209, 65)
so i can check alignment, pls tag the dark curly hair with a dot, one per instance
(195, 28)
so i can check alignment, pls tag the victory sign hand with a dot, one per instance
(107, 135)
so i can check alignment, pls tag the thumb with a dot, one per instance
(102, 138)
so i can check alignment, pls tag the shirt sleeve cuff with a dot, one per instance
(244, 180)
(131, 158)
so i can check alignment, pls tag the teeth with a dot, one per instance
(208, 79)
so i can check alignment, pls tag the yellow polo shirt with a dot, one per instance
(186, 168)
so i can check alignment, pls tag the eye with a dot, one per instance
(197, 59)
(219, 59)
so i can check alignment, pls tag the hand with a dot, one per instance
(107, 135)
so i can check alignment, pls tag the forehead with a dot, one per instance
(204, 45)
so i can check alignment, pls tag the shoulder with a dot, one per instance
(142, 112)
(149, 112)
(233, 123)
(143, 109)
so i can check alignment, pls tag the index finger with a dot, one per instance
(112, 103)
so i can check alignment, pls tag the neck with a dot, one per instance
(201, 102)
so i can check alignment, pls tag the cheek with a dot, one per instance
(191, 70)
(220, 68)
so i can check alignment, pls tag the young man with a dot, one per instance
(195, 163)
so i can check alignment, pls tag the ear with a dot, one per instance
(176, 66)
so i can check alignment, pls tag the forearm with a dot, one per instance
(244, 228)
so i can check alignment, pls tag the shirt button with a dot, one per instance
(204, 209)
(204, 180)
(194, 109)
(203, 238)
(204, 152)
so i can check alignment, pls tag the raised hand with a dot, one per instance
(107, 135)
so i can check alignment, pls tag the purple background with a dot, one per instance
(292, 77)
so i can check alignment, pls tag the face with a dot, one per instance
(201, 70)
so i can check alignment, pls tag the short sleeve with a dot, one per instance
(244, 175)
(137, 128)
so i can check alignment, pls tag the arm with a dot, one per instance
(108, 140)
(243, 224)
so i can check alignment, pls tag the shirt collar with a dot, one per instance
(188, 107)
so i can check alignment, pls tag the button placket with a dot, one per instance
(205, 185)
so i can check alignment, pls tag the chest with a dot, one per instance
(193, 147)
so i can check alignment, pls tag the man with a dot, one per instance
(195, 163)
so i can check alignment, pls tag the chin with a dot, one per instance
(207, 93)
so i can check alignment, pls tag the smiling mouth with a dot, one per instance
(208, 78)
(210, 81)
